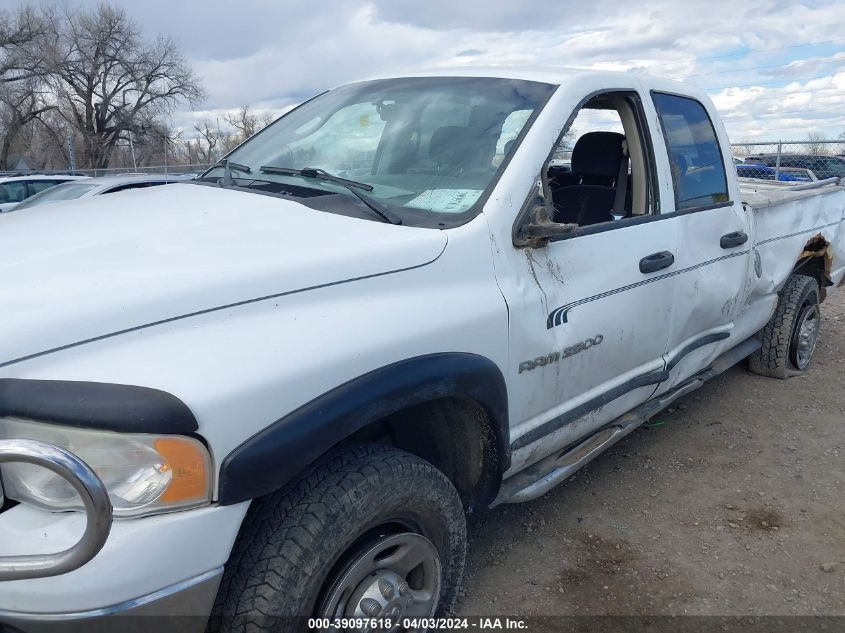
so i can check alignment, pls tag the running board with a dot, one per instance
(539, 478)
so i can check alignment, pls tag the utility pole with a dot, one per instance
(219, 141)
(71, 154)
(132, 149)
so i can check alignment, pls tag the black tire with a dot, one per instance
(295, 545)
(781, 354)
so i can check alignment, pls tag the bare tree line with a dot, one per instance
(87, 84)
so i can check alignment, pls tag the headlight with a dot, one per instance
(144, 474)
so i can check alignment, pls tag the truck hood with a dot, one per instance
(80, 270)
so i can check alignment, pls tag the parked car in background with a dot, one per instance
(805, 175)
(16, 188)
(97, 186)
(762, 172)
(822, 166)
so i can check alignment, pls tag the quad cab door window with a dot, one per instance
(588, 321)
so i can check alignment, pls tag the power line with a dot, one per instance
(802, 110)
(753, 68)
(761, 84)
(752, 52)
(812, 93)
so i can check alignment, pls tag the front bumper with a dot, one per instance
(141, 558)
(183, 608)
(74, 571)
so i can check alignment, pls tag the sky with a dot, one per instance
(775, 68)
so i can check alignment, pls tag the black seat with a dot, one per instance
(451, 147)
(597, 160)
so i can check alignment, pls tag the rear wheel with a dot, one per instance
(370, 532)
(789, 338)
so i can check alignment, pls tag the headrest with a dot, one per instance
(598, 154)
(451, 144)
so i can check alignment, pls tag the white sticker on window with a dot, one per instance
(445, 200)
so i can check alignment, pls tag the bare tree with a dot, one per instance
(247, 123)
(20, 34)
(815, 145)
(157, 144)
(108, 81)
(207, 146)
(22, 74)
(20, 104)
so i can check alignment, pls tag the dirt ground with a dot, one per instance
(732, 502)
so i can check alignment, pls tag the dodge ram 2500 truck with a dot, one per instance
(273, 394)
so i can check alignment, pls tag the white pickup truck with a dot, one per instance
(271, 395)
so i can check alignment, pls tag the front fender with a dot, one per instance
(271, 458)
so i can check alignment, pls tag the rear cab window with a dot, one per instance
(695, 156)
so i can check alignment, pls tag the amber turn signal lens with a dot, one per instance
(188, 466)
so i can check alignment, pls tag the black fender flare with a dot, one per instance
(272, 457)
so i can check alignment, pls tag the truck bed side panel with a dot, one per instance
(786, 222)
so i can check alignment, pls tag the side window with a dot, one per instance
(599, 171)
(698, 171)
(37, 186)
(12, 192)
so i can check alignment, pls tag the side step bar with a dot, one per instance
(539, 478)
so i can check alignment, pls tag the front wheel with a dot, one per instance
(789, 338)
(369, 532)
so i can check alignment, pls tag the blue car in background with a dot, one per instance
(762, 172)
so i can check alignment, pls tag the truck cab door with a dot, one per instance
(713, 230)
(590, 310)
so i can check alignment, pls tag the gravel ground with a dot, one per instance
(732, 502)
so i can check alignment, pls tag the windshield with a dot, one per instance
(67, 191)
(430, 147)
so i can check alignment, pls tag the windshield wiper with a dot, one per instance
(228, 166)
(351, 185)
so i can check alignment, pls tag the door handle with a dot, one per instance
(732, 240)
(656, 261)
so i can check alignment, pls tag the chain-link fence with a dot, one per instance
(194, 169)
(790, 161)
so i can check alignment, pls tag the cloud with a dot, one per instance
(771, 66)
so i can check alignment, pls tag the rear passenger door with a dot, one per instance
(713, 253)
